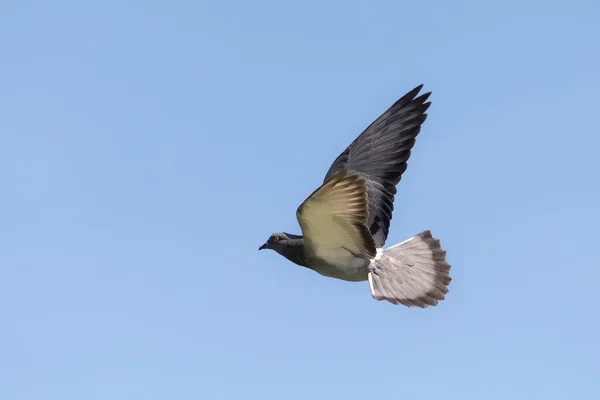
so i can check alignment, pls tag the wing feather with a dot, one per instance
(335, 216)
(380, 155)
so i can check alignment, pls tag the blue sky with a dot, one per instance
(148, 148)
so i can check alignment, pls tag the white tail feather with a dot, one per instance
(413, 273)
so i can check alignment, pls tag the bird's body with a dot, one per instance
(345, 222)
(341, 264)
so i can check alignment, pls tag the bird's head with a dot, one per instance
(278, 241)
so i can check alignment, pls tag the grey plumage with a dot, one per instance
(380, 153)
(288, 245)
(412, 273)
(346, 221)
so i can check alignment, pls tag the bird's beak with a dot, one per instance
(264, 246)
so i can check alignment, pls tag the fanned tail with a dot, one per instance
(413, 273)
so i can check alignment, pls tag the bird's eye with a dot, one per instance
(275, 239)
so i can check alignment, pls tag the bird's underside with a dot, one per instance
(345, 222)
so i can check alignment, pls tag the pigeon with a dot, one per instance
(345, 222)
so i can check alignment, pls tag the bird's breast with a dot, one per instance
(340, 264)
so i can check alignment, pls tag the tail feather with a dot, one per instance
(413, 273)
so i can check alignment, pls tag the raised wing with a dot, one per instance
(333, 218)
(380, 154)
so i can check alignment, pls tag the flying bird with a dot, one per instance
(346, 221)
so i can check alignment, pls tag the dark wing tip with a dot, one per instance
(413, 93)
(409, 99)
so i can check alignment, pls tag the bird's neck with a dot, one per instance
(295, 252)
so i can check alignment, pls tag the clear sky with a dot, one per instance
(148, 148)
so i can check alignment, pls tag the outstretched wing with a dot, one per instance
(380, 154)
(333, 218)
